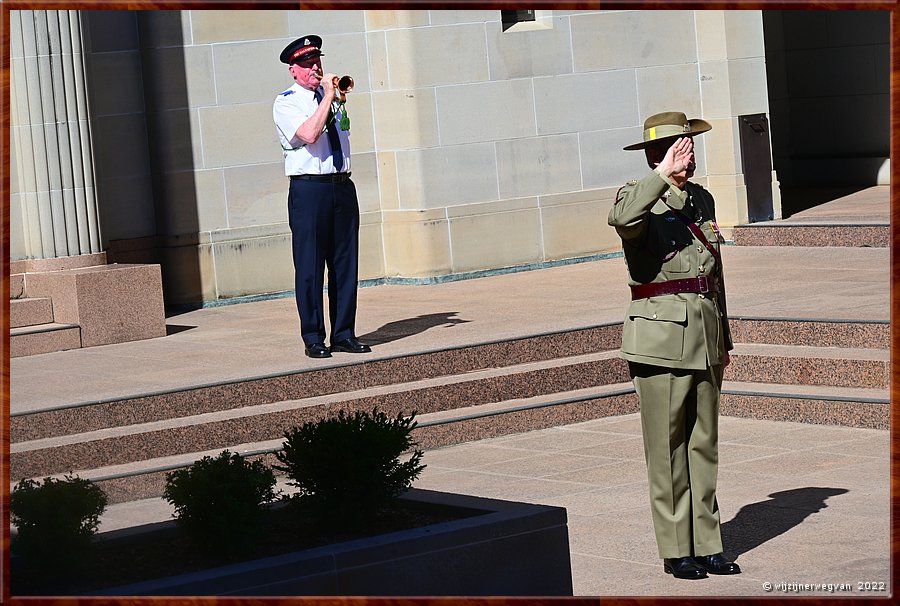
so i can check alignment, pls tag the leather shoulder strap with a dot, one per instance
(698, 233)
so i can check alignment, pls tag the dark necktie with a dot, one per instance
(337, 156)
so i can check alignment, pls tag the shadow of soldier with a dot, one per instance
(759, 522)
(394, 331)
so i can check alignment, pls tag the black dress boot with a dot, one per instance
(717, 564)
(683, 568)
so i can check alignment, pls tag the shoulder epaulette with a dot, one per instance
(630, 183)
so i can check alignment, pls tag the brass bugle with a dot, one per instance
(342, 85)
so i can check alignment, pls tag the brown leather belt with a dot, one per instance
(701, 284)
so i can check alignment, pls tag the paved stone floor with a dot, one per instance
(799, 504)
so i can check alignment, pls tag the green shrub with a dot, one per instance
(348, 466)
(56, 520)
(220, 501)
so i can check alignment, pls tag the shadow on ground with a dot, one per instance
(394, 331)
(174, 329)
(759, 522)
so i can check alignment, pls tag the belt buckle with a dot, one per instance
(703, 283)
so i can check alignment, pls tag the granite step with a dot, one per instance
(39, 421)
(180, 433)
(78, 417)
(812, 234)
(804, 365)
(871, 395)
(16, 285)
(855, 407)
(43, 338)
(29, 311)
(460, 394)
(87, 416)
(858, 334)
(145, 477)
(824, 405)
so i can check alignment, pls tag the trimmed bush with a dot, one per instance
(56, 520)
(220, 501)
(348, 466)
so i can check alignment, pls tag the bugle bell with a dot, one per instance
(342, 85)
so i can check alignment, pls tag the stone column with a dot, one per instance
(52, 194)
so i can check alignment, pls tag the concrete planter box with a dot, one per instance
(510, 549)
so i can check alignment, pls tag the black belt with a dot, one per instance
(332, 178)
(702, 284)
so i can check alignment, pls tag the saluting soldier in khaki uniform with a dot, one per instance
(676, 341)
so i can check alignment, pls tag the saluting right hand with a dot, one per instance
(678, 157)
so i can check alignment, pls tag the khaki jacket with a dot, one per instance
(685, 330)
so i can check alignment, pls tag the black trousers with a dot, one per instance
(324, 220)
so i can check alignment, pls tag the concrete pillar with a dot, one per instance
(53, 203)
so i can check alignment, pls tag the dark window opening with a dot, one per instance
(510, 18)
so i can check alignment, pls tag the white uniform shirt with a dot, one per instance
(291, 109)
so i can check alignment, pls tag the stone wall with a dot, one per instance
(473, 148)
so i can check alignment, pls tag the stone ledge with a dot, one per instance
(794, 234)
(58, 264)
(50, 337)
(843, 413)
(111, 303)
(16, 284)
(450, 558)
(30, 312)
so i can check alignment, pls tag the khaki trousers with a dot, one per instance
(680, 423)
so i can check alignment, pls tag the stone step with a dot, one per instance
(847, 406)
(869, 395)
(252, 423)
(44, 338)
(36, 420)
(802, 365)
(111, 303)
(27, 266)
(459, 393)
(145, 478)
(16, 286)
(78, 417)
(817, 333)
(30, 312)
(812, 234)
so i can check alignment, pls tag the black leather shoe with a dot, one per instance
(317, 350)
(683, 568)
(717, 564)
(351, 345)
